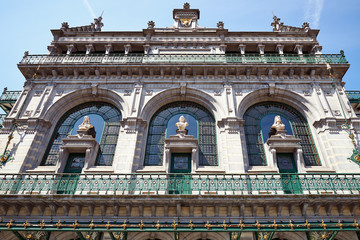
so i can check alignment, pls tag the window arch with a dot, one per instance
(296, 122)
(109, 131)
(205, 128)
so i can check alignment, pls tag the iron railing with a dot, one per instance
(194, 184)
(9, 95)
(184, 58)
(354, 96)
(2, 118)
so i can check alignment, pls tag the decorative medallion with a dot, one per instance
(186, 22)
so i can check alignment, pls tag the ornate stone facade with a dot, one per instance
(223, 179)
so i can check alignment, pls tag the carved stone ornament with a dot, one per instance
(186, 22)
(86, 128)
(186, 5)
(220, 25)
(151, 24)
(277, 127)
(182, 124)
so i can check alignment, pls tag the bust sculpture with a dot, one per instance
(182, 124)
(277, 126)
(87, 128)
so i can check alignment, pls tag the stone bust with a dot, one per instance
(86, 127)
(277, 126)
(182, 124)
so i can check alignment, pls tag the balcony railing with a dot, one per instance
(191, 184)
(7, 100)
(2, 118)
(354, 96)
(184, 58)
(9, 95)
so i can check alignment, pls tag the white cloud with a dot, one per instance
(313, 10)
(87, 4)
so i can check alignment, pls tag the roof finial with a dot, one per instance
(186, 5)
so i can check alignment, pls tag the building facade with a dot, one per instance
(184, 132)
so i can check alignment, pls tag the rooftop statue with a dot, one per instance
(98, 24)
(93, 27)
(87, 128)
(279, 26)
(277, 126)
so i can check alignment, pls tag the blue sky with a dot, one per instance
(26, 24)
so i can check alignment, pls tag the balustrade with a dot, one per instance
(194, 184)
(183, 58)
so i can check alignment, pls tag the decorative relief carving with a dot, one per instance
(238, 93)
(37, 93)
(28, 113)
(217, 92)
(337, 112)
(59, 93)
(328, 93)
(127, 92)
(149, 92)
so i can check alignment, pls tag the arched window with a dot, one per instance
(258, 120)
(201, 125)
(106, 120)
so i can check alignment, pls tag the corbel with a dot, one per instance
(65, 72)
(242, 48)
(280, 49)
(248, 73)
(54, 73)
(97, 73)
(94, 89)
(108, 48)
(298, 48)
(89, 48)
(271, 88)
(162, 73)
(147, 49)
(291, 73)
(76, 73)
(317, 49)
(127, 49)
(70, 49)
(261, 48)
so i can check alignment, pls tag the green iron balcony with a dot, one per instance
(354, 96)
(8, 99)
(190, 184)
(184, 58)
(2, 117)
